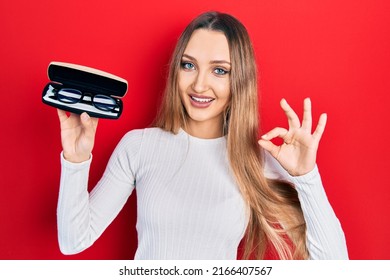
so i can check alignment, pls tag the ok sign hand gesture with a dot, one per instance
(298, 153)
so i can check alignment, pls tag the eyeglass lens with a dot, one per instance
(70, 96)
(103, 102)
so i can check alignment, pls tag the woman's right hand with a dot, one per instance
(77, 135)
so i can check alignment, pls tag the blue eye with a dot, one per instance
(220, 71)
(187, 65)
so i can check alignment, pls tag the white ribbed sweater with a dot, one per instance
(188, 204)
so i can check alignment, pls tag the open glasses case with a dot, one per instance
(77, 89)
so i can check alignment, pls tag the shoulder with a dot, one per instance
(141, 133)
(132, 137)
(133, 143)
(145, 136)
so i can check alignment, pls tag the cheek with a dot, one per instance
(223, 90)
(180, 81)
(183, 83)
(182, 86)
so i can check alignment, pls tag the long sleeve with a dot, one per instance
(325, 237)
(82, 216)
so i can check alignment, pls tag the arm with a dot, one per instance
(295, 160)
(83, 216)
(324, 235)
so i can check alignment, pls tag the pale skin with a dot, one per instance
(298, 152)
(77, 135)
(205, 73)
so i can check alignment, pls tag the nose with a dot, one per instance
(200, 83)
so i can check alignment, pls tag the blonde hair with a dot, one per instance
(275, 216)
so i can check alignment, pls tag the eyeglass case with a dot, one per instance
(88, 80)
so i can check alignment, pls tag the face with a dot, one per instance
(204, 79)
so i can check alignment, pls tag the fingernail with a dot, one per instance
(265, 136)
(85, 116)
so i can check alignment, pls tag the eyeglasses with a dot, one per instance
(73, 96)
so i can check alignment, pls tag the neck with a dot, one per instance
(205, 130)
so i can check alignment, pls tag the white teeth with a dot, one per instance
(203, 100)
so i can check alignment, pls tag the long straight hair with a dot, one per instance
(275, 215)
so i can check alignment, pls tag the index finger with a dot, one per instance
(292, 117)
(62, 115)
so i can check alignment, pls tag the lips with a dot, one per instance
(200, 101)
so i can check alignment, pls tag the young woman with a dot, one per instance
(204, 179)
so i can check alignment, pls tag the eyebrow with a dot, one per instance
(211, 62)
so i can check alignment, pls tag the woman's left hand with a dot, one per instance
(299, 151)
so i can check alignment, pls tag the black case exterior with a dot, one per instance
(85, 79)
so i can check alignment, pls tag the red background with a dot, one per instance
(336, 52)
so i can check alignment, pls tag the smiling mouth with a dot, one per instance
(201, 99)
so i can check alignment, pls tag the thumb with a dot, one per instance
(89, 124)
(85, 119)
